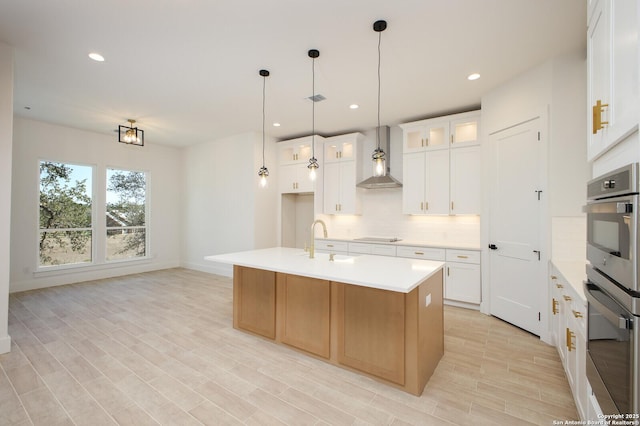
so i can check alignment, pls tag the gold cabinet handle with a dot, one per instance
(426, 141)
(451, 137)
(426, 205)
(330, 245)
(447, 271)
(559, 286)
(554, 306)
(452, 205)
(597, 116)
(567, 298)
(419, 253)
(421, 205)
(553, 277)
(577, 314)
(570, 336)
(460, 256)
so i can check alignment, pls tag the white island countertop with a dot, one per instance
(382, 272)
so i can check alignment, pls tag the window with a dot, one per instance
(65, 231)
(126, 215)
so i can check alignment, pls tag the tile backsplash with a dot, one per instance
(382, 217)
(569, 238)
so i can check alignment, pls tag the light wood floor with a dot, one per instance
(159, 348)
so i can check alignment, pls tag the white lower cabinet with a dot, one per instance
(568, 313)
(462, 277)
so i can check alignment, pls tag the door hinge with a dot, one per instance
(538, 135)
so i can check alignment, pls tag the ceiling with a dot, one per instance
(187, 70)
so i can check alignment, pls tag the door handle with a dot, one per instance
(493, 247)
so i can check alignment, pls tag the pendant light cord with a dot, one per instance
(264, 84)
(378, 128)
(313, 108)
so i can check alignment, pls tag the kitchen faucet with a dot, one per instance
(312, 248)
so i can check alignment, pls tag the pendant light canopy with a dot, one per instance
(378, 156)
(263, 173)
(313, 162)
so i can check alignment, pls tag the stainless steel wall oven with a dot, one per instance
(612, 290)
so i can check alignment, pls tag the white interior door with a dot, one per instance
(515, 284)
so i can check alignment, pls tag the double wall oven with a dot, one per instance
(613, 290)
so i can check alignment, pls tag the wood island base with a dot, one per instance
(394, 337)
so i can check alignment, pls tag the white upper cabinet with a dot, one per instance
(342, 168)
(612, 67)
(426, 135)
(293, 157)
(442, 178)
(465, 180)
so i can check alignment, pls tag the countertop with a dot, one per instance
(412, 243)
(574, 273)
(386, 273)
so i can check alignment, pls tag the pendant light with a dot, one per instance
(313, 162)
(378, 156)
(263, 173)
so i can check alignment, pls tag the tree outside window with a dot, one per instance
(126, 214)
(65, 235)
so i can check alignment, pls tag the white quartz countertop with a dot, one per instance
(386, 273)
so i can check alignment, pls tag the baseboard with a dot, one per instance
(5, 344)
(72, 276)
(462, 304)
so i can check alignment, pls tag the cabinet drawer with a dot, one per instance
(383, 250)
(427, 253)
(360, 248)
(332, 246)
(463, 256)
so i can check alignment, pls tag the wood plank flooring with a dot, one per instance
(159, 348)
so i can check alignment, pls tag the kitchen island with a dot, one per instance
(380, 316)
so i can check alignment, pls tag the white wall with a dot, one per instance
(6, 130)
(34, 141)
(557, 90)
(224, 208)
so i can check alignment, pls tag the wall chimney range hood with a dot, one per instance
(386, 181)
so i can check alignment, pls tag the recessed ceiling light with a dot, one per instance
(276, 124)
(96, 57)
(473, 76)
(354, 106)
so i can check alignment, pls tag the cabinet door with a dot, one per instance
(331, 188)
(437, 182)
(462, 282)
(295, 152)
(612, 67)
(599, 73)
(304, 305)
(254, 301)
(465, 180)
(303, 181)
(413, 183)
(371, 331)
(287, 179)
(465, 131)
(347, 188)
(339, 151)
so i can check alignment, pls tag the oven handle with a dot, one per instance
(616, 320)
(609, 206)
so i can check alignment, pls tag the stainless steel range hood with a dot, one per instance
(386, 181)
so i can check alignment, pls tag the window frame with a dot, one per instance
(41, 268)
(98, 221)
(146, 217)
